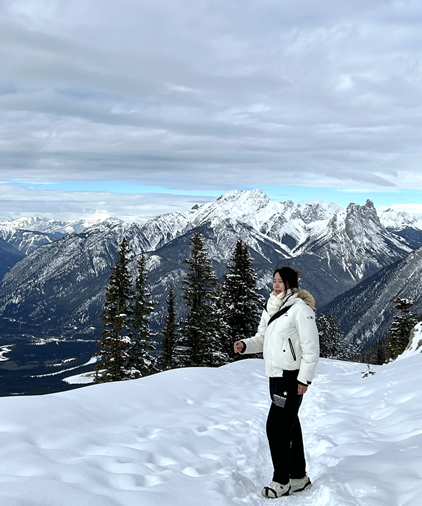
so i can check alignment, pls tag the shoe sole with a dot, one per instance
(306, 487)
(277, 496)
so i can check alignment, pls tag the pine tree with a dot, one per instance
(401, 327)
(115, 339)
(240, 306)
(168, 358)
(141, 362)
(332, 342)
(200, 344)
(376, 354)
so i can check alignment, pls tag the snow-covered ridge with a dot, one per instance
(197, 436)
(296, 223)
(290, 225)
(249, 206)
(399, 220)
(28, 234)
(36, 224)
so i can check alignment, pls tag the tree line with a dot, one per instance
(216, 315)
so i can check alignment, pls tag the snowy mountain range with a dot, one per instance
(58, 287)
(28, 234)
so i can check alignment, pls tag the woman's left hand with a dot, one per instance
(301, 389)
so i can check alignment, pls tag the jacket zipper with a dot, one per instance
(292, 349)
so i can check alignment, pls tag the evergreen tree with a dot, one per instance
(168, 358)
(332, 343)
(115, 339)
(141, 362)
(377, 353)
(200, 343)
(401, 327)
(240, 306)
(381, 354)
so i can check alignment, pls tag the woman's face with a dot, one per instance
(278, 285)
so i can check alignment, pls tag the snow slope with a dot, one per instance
(415, 342)
(193, 437)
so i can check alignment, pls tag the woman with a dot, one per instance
(288, 337)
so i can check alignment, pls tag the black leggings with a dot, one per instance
(283, 429)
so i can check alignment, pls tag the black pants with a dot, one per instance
(283, 429)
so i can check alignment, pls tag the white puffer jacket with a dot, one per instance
(291, 341)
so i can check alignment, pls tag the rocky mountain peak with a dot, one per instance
(288, 204)
(318, 211)
(254, 198)
(357, 213)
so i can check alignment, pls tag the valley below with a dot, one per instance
(31, 365)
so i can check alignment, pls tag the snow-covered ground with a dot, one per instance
(196, 437)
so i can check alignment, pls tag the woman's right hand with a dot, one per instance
(239, 346)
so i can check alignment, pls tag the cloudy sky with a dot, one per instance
(137, 108)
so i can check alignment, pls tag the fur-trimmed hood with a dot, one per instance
(307, 297)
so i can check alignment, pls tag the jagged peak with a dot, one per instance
(246, 195)
(288, 203)
(367, 208)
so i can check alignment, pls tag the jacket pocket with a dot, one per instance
(292, 349)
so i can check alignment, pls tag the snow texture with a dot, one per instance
(197, 436)
(415, 342)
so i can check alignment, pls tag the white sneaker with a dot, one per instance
(301, 484)
(275, 490)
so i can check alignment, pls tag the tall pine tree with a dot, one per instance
(240, 305)
(200, 343)
(115, 339)
(141, 362)
(168, 358)
(401, 327)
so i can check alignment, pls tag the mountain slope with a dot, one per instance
(366, 311)
(9, 256)
(61, 285)
(27, 241)
(403, 224)
(356, 240)
(28, 234)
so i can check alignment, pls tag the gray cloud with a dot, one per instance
(190, 94)
(17, 202)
